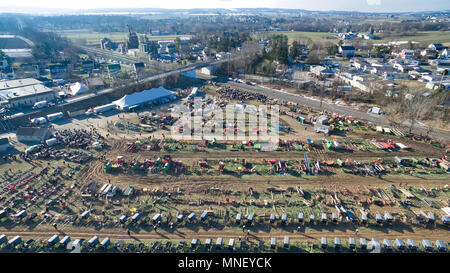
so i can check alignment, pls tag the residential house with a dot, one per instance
(347, 51)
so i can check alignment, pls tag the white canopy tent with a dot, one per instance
(144, 97)
(78, 88)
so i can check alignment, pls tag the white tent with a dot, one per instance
(146, 96)
(78, 88)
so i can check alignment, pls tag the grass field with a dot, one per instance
(426, 37)
(93, 38)
(301, 35)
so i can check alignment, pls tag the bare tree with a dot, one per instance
(416, 107)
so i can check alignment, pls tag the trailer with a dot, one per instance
(431, 218)
(194, 243)
(324, 218)
(53, 240)
(427, 245)
(21, 214)
(180, 218)
(272, 218)
(65, 240)
(286, 242)
(219, 242)
(40, 104)
(441, 245)
(3, 239)
(312, 218)
(85, 214)
(337, 242)
(55, 116)
(93, 241)
(191, 217)
(323, 242)
(300, 217)
(334, 217)
(156, 218)
(135, 217)
(123, 219)
(208, 242)
(445, 220)
(2, 213)
(102, 108)
(238, 218)
(411, 244)
(284, 218)
(399, 244)
(105, 242)
(15, 241)
(112, 192)
(388, 217)
(51, 142)
(231, 244)
(250, 218)
(204, 216)
(363, 243)
(387, 244)
(378, 218)
(351, 243)
(273, 243)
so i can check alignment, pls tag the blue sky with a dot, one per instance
(347, 5)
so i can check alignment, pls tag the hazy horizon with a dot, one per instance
(27, 6)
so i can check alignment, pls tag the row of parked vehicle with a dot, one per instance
(364, 244)
(387, 244)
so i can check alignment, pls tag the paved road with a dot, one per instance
(345, 110)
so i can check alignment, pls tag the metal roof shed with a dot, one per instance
(363, 243)
(337, 242)
(105, 242)
(399, 244)
(53, 240)
(286, 241)
(441, 245)
(93, 241)
(324, 218)
(351, 243)
(273, 242)
(427, 245)
(204, 216)
(3, 239)
(231, 243)
(272, 218)
(191, 216)
(300, 217)
(411, 244)
(219, 242)
(387, 244)
(323, 242)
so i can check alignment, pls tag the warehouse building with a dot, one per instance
(24, 92)
(32, 134)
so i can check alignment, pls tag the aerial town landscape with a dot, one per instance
(96, 155)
